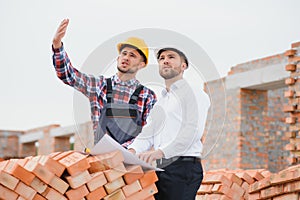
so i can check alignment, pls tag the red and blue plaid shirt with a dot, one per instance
(94, 88)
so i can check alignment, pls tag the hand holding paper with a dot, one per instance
(107, 144)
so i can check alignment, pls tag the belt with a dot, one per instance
(164, 162)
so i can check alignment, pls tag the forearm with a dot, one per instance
(63, 66)
(86, 84)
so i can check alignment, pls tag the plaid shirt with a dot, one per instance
(94, 88)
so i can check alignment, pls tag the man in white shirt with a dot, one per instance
(172, 136)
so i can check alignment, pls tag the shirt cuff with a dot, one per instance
(126, 144)
(59, 49)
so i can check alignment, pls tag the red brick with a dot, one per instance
(8, 194)
(78, 193)
(290, 120)
(290, 147)
(145, 193)
(150, 198)
(290, 52)
(39, 170)
(289, 93)
(295, 45)
(22, 162)
(294, 59)
(283, 177)
(255, 174)
(148, 178)
(110, 187)
(246, 177)
(75, 163)
(115, 173)
(289, 108)
(117, 195)
(290, 134)
(237, 190)
(292, 160)
(271, 191)
(53, 194)
(292, 196)
(79, 179)
(19, 172)
(95, 165)
(254, 196)
(208, 188)
(38, 197)
(215, 189)
(53, 165)
(234, 178)
(131, 188)
(25, 191)
(216, 178)
(3, 164)
(98, 180)
(133, 173)
(59, 185)
(38, 185)
(8, 180)
(290, 81)
(99, 193)
(259, 185)
(44, 194)
(60, 155)
(290, 67)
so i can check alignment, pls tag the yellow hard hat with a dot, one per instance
(139, 44)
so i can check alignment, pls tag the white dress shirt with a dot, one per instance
(176, 122)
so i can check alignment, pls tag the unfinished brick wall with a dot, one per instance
(62, 144)
(28, 149)
(292, 107)
(9, 143)
(221, 146)
(263, 130)
(254, 132)
(253, 128)
(277, 155)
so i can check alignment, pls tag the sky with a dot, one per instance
(229, 32)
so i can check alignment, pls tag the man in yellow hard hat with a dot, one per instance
(119, 104)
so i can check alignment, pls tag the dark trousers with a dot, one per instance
(179, 181)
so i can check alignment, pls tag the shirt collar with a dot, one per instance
(178, 84)
(130, 82)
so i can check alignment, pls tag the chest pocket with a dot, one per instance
(122, 122)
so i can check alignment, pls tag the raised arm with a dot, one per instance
(87, 84)
(60, 33)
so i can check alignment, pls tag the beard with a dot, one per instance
(127, 71)
(169, 73)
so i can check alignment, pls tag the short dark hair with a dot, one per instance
(181, 54)
(138, 50)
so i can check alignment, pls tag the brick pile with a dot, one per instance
(229, 184)
(293, 106)
(284, 185)
(73, 175)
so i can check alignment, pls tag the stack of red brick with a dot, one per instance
(251, 185)
(73, 175)
(284, 185)
(229, 184)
